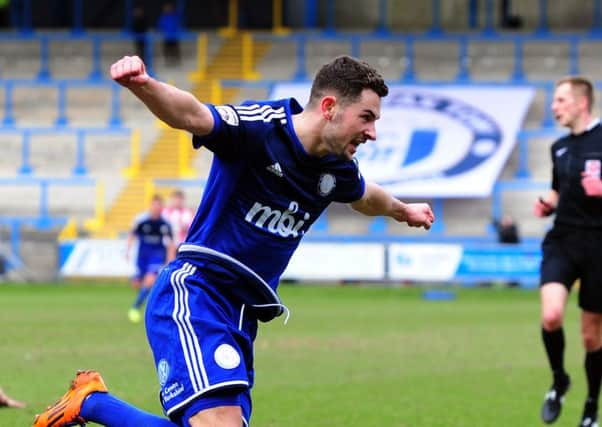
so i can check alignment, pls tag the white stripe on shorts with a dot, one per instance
(190, 343)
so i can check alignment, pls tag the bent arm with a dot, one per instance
(377, 201)
(176, 107)
(546, 206)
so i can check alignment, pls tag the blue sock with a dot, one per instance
(104, 409)
(142, 294)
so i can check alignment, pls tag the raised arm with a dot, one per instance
(377, 201)
(176, 107)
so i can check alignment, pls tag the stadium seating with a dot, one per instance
(62, 118)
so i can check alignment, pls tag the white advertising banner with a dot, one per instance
(98, 258)
(424, 262)
(333, 261)
(438, 141)
(337, 261)
(311, 261)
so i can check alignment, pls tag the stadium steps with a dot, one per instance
(162, 160)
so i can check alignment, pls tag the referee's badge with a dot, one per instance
(326, 184)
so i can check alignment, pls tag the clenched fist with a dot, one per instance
(129, 71)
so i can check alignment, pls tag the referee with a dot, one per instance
(572, 247)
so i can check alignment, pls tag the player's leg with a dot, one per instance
(205, 369)
(6, 400)
(558, 273)
(591, 333)
(134, 314)
(234, 413)
(148, 268)
(553, 302)
(231, 413)
(590, 302)
(88, 400)
(221, 416)
(145, 288)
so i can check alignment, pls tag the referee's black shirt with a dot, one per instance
(569, 154)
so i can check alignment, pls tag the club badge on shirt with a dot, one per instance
(227, 114)
(326, 184)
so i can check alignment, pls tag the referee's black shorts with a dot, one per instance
(571, 253)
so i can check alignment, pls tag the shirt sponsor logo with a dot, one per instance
(284, 224)
(172, 391)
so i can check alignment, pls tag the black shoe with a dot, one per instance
(552, 403)
(590, 414)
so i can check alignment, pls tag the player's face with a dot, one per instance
(177, 201)
(353, 124)
(155, 208)
(566, 105)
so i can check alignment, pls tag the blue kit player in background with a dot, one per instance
(155, 249)
(276, 168)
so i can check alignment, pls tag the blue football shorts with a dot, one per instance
(149, 263)
(202, 342)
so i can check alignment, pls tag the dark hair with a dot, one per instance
(347, 77)
(581, 86)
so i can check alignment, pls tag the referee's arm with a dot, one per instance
(545, 206)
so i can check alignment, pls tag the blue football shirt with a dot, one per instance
(152, 233)
(264, 191)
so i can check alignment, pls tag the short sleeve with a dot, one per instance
(240, 130)
(351, 184)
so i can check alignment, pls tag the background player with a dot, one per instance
(155, 249)
(178, 215)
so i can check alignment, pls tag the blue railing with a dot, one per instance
(518, 41)
(44, 220)
(61, 86)
(355, 41)
(79, 168)
(95, 79)
(96, 40)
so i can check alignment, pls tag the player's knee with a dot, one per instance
(552, 319)
(591, 339)
(221, 416)
(591, 342)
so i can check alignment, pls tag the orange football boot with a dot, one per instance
(65, 412)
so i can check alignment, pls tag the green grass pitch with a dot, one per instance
(349, 356)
